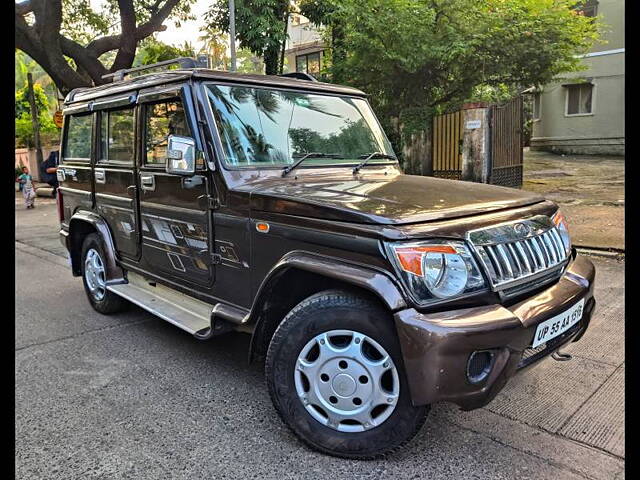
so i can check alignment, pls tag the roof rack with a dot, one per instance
(184, 62)
(299, 76)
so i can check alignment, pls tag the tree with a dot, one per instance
(154, 51)
(215, 45)
(261, 27)
(23, 65)
(417, 58)
(69, 39)
(23, 124)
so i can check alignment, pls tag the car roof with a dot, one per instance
(172, 76)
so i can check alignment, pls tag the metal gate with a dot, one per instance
(506, 144)
(447, 145)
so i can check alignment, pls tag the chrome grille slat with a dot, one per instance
(516, 260)
(550, 248)
(543, 249)
(505, 260)
(523, 254)
(495, 261)
(558, 239)
(539, 259)
(514, 251)
(559, 249)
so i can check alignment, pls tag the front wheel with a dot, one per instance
(335, 375)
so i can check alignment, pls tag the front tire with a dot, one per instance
(335, 375)
(94, 278)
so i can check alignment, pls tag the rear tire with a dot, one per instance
(342, 384)
(94, 277)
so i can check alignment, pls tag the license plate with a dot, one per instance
(557, 325)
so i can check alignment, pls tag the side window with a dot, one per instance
(161, 120)
(78, 140)
(117, 136)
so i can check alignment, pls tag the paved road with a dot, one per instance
(590, 190)
(131, 396)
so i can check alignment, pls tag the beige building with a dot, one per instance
(305, 48)
(583, 112)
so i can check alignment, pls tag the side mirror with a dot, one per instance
(181, 155)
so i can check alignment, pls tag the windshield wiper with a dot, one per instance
(369, 156)
(288, 168)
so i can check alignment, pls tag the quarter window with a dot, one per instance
(116, 131)
(78, 141)
(161, 120)
(579, 99)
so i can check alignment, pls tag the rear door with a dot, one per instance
(175, 219)
(115, 173)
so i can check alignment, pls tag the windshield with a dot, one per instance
(265, 127)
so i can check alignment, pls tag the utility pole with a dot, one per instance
(232, 33)
(34, 119)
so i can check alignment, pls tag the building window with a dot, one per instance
(309, 63)
(579, 99)
(536, 106)
(588, 8)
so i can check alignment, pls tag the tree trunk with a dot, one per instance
(284, 43)
(34, 119)
(271, 60)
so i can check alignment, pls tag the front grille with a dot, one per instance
(517, 252)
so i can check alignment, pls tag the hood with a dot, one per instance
(384, 199)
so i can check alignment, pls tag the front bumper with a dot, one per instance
(436, 346)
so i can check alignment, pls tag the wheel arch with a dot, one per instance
(299, 275)
(82, 224)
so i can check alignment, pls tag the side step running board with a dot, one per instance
(183, 311)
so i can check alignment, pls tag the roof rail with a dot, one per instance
(299, 76)
(184, 62)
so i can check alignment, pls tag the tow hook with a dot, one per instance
(560, 356)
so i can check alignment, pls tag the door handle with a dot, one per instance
(148, 182)
(99, 175)
(131, 191)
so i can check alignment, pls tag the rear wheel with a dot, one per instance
(94, 277)
(335, 375)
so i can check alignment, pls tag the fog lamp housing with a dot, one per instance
(479, 366)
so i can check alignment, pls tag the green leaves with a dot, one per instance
(260, 26)
(433, 55)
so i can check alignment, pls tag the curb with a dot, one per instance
(617, 253)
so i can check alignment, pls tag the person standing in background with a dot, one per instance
(48, 170)
(28, 192)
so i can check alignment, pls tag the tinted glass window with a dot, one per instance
(161, 120)
(116, 131)
(261, 126)
(78, 141)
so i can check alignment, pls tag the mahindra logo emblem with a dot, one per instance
(522, 229)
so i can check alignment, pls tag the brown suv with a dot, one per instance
(275, 206)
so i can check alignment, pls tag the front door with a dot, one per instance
(115, 177)
(175, 219)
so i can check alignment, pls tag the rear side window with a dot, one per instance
(78, 140)
(161, 120)
(117, 135)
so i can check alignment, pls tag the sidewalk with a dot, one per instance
(590, 190)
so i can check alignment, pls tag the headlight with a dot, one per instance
(563, 229)
(437, 270)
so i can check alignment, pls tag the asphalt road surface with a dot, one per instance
(131, 396)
